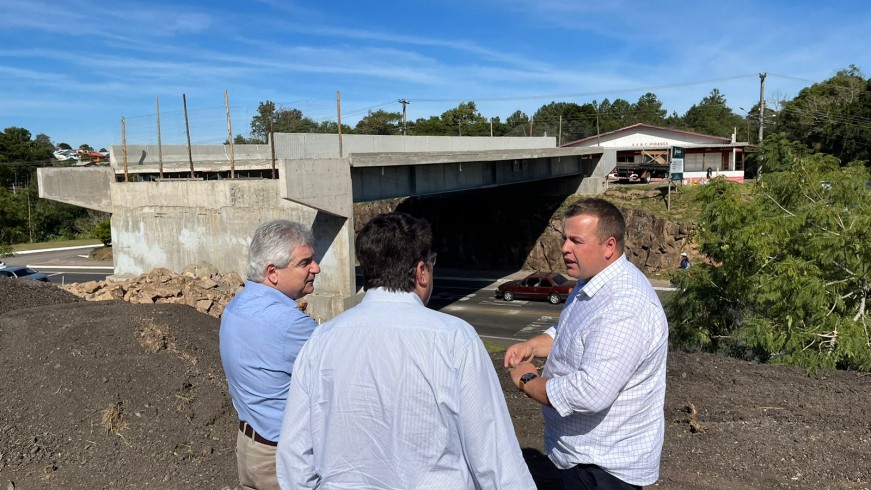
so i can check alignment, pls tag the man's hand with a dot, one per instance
(518, 354)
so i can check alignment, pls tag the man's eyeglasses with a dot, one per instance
(430, 259)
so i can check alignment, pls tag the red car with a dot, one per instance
(551, 286)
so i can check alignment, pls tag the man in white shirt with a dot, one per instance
(393, 395)
(602, 389)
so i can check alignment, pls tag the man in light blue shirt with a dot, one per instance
(603, 386)
(262, 331)
(393, 395)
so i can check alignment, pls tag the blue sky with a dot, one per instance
(72, 69)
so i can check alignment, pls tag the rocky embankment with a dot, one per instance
(653, 244)
(200, 286)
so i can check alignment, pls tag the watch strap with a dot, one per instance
(525, 379)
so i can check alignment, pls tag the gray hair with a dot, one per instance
(273, 243)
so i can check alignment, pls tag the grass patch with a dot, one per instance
(491, 347)
(653, 198)
(21, 247)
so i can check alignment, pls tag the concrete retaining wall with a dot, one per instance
(86, 187)
(308, 146)
(175, 224)
(148, 155)
(296, 145)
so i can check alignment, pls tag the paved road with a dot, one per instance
(64, 266)
(462, 293)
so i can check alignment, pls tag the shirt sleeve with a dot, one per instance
(294, 456)
(486, 433)
(298, 332)
(612, 351)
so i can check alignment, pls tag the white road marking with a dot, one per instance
(537, 326)
(504, 303)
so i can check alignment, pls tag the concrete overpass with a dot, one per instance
(178, 220)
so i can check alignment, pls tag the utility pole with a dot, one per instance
(272, 139)
(404, 120)
(124, 148)
(761, 104)
(229, 137)
(339, 120)
(187, 129)
(159, 143)
(559, 137)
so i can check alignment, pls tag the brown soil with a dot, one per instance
(110, 395)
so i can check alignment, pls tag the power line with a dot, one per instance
(590, 94)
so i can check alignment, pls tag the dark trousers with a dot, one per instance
(590, 476)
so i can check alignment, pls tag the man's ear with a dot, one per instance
(271, 275)
(610, 248)
(423, 275)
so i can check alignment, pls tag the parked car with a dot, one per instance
(16, 272)
(552, 286)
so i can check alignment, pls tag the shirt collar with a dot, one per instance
(382, 294)
(264, 290)
(599, 280)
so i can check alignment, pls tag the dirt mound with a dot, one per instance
(112, 394)
(16, 294)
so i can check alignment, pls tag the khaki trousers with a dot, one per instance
(256, 464)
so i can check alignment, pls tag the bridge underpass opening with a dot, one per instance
(501, 229)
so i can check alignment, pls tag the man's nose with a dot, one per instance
(316, 268)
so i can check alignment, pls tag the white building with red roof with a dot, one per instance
(644, 150)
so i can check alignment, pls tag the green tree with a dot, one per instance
(431, 126)
(517, 124)
(648, 110)
(379, 122)
(712, 116)
(283, 121)
(103, 232)
(832, 116)
(575, 120)
(242, 140)
(615, 115)
(332, 127)
(16, 146)
(465, 120)
(64, 146)
(791, 277)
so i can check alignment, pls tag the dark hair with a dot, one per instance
(389, 248)
(611, 221)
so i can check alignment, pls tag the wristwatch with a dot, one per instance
(526, 378)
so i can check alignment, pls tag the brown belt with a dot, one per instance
(249, 431)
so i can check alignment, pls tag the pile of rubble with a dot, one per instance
(200, 286)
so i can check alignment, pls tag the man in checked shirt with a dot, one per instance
(602, 388)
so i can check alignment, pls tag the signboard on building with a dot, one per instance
(676, 169)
